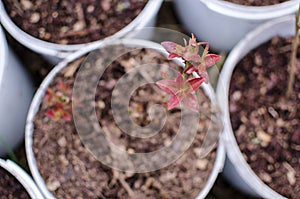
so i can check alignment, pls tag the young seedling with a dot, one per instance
(194, 74)
(58, 102)
(293, 56)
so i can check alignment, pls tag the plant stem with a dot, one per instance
(293, 56)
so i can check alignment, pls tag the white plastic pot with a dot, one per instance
(16, 91)
(55, 52)
(220, 156)
(22, 177)
(222, 23)
(236, 170)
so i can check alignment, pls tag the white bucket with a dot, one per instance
(22, 177)
(16, 91)
(220, 156)
(222, 23)
(55, 52)
(236, 169)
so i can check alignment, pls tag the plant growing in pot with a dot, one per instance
(16, 183)
(235, 18)
(57, 28)
(82, 152)
(261, 121)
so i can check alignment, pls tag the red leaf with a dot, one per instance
(171, 86)
(211, 59)
(50, 113)
(189, 70)
(196, 82)
(204, 75)
(173, 55)
(192, 55)
(169, 46)
(67, 116)
(167, 85)
(59, 105)
(193, 41)
(174, 102)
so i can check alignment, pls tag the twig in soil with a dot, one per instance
(120, 177)
(18, 6)
(79, 33)
(291, 175)
(80, 13)
(293, 56)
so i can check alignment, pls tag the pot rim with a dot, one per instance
(62, 50)
(253, 13)
(34, 107)
(3, 55)
(232, 149)
(23, 178)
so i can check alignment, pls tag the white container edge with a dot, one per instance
(22, 177)
(60, 50)
(220, 156)
(252, 40)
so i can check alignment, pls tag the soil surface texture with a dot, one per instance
(266, 123)
(72, 22)
(10, 187)
(256, 2)
(71, 171)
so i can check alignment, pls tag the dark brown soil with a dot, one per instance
(166, 19)
(256, 2)
(73, 22)
(10, 187)
(70, 171)
(265, 122)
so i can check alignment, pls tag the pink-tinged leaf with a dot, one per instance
(192, 56)
(193, 41)
(205, 52)
(59, 105)
(169, 46)
(189, 70)
(50, 91)
(174, 101)
(167, 85)
(191, 102)
(49, 99)
(47, 96)
(211, 59)
(67, 116)
(171, 86)
(204, 75)
(201, 68)
(204, 43)
(173, 55)
(196, 82)
(50, 113)
(53, 114)
(179, 80)
(165, 104)
(60, 85)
